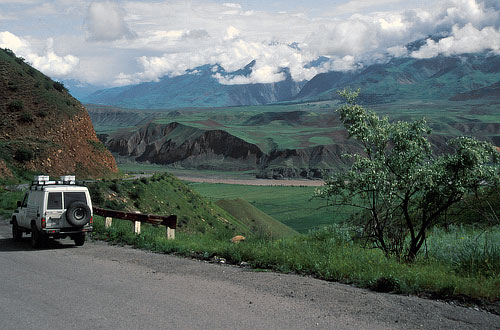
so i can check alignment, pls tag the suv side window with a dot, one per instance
(71, 197)
(54, 202)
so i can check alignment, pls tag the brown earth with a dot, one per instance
(43, 128)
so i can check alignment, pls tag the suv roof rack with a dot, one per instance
(44, 180)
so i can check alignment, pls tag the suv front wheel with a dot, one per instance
(17, 234)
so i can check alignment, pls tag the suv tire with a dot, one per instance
(78, 214)
(79, 239)
(36, 237)
(17, 234)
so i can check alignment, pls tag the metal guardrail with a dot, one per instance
(170, 222)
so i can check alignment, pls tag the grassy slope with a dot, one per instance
(259, 222)
(290, 205)
(163, 194)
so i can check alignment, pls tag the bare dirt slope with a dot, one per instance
(102, 286)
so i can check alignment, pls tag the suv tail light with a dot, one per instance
(91, 220)
(43, 223)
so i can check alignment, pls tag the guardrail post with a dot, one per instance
(170, 233)
(109, 220)
(137, 227)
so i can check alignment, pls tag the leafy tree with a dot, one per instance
(401, 186)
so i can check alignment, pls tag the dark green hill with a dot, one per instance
(257, 220)
(43, 128)
(405, 79)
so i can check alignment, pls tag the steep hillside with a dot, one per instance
(488, 92)
(196, 88)
(186, 146)
(43, 128)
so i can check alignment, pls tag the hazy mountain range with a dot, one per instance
(399, 79)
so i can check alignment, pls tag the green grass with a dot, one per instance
(8, 200)
(461, 263)
(163, 194)
(259, 222)
(290, 205)
(327, 254)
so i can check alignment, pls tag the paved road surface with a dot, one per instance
(98, 286)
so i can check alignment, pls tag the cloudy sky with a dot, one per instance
(115, 43)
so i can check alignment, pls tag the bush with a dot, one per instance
(23, 155)
(9, 52)
(96, 194)
(26, 117)
(59, 86)
(116, 187)
(12, 86)
(114, 205)
(16, 105)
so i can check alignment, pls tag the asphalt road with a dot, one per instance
(99, 286)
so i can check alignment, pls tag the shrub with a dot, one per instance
(116, 187)
(12, 86)
(23, 155)
(16, 105)
(59, 86)
(26, 117)
(9, 52)
(114, 205)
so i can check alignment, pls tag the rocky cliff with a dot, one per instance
(180, 145)
(43, 128)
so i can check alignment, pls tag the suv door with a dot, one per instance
(54, 209)
(21, 214)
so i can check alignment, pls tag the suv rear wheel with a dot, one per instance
(79, 239)
(37, 238)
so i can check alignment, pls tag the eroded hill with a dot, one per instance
(43, 128)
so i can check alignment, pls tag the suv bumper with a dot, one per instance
(66, 231)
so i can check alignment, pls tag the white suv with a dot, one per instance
(55, 209)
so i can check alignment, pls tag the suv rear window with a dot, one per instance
(71, 197)
(54, 201)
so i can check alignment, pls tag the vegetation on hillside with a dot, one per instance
(163, 194)
(259, 222)
(43, 127)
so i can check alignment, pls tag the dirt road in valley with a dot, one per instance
(254, 182)
(99, 286)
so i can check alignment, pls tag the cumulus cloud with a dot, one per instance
(232, 55)
(462, 40)
(106, 22)
(143, 40)
(49, 63)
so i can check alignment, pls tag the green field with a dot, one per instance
(290, 205)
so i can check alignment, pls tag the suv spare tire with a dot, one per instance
(78, 214)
